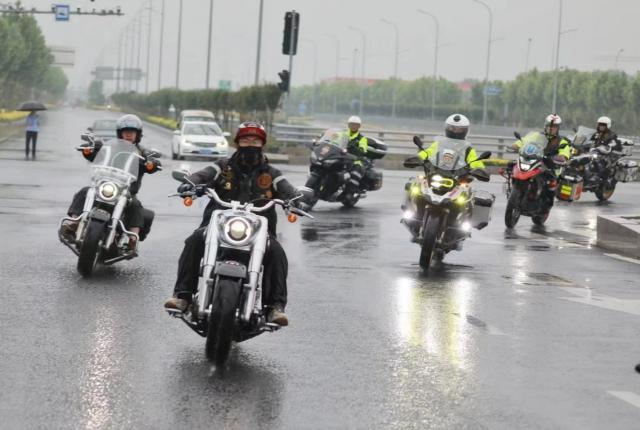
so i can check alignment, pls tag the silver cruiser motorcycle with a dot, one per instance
(228, 305)
(101, 236)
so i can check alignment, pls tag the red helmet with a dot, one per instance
(251, 128)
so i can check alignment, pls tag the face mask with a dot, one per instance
(249, 156)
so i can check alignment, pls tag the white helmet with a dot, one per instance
(354, 119)
(457, 126)
(605, 120)
(549, 121)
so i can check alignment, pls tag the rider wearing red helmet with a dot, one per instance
(245, 176)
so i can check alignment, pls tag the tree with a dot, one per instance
(96, 96)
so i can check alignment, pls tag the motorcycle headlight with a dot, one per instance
(237, 230)
(525, 166)
(108, 191)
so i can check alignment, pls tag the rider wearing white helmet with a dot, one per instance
(604, 135)
(456, 127)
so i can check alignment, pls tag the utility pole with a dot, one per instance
(395, 66)
(557, 65)
(179, 46)
(435, 63)
(146, 79)
(119, 68)
(615, 62)
(315, 74)
(207, 86)
(160, 48)
(292, 41)
(486, 76)
(138, 76)
(526, 62)
(258, 52)
(335, 93)
(364, 56)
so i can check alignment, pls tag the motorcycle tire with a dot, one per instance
(605, 191)
(349, 201)
(90, 248)
(512, 214)
(540, 219)
(222, 320)
(429, 241)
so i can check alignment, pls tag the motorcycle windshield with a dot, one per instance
(117, 160)
(451, 154)
(583, 135)
(533, 145)
(336, 137)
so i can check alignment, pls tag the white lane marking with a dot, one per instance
(622, 258)
(586, 297)
(627, 396)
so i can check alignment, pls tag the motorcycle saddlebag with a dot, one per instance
(372, 180)
(569, 189)
(626, 171)
(482, 207)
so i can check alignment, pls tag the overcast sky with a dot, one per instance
(603, 28)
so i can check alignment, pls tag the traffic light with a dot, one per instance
(284, 81)
(291, 26)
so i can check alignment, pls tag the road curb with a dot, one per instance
(619, 233)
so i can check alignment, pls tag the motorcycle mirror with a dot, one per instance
(85, 137)
(485, 155)
(176, 132)
(153, 152)
(412, 162)
(180, 175)
(90, 129)
(575, 130)
(481, 175)
(226, 134)
(418, 142)
(517, 135)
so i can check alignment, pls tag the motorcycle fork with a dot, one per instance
(88, 205)
(205, 296)
(115, 218)
(250, 295)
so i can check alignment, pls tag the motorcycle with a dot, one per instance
(441, 208)
(332, 177)
(101, 236)
(530, 181)
(228, 305)
(596, 170)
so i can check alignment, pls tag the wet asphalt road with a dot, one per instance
(523, 329)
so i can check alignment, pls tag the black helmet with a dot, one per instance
(129, 122)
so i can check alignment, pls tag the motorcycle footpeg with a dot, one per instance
(272, 326)
(176, 313)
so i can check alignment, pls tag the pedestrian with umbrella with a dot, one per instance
(33, 126)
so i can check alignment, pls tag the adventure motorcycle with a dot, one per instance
(531, 181)
(597, 170)
(440, 207)
(101, 236)
(332, 177)
(228, 305)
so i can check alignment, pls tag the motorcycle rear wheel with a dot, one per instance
(540, 219)
(512, 214)
(222, 320)
(429, 240)
(605, 191)
(90, 248)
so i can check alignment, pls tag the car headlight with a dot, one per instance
(237, 230)
(108, 191)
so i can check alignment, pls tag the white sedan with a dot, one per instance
(199, 139)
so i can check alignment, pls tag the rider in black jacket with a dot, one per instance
(136, 218)
(605, 135)
(244, 177)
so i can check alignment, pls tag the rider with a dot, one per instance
(358, 145)
(137, 219)
(245, 176)
(604, 135)
(456, 127)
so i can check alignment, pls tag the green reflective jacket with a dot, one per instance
(471, 159)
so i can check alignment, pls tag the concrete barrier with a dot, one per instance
(620, 234)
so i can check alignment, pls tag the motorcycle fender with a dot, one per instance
(231, 270)
(100, 215)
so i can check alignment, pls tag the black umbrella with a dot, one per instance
(31, 106)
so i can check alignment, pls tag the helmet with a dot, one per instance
(354, 119)
(605, 120)
(251, 128)
(551, 120)
(456, 126)
(129, 122)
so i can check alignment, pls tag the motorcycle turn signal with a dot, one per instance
(292, 217)
(188, 201)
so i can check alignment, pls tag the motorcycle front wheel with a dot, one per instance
(349, 201)
(605, 191)
(512, 214)
(222, 320)
(90, 248)
(429, 240)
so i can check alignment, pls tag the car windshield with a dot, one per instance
(104, 124)
(210, 129)
(533, 145)
(451, 154)
(335, 136)
(117, 160)
(197, 118)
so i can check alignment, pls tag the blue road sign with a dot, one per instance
(62, 12)
(493, 91)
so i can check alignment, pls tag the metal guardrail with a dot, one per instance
(400, 142)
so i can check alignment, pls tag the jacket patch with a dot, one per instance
(264, 181)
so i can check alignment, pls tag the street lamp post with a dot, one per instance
(395, 67)
(526, 60)
(315, 73)
(209, 45)
(615, 63)
(179, 46)
(335, 92)
(364, 56)
(160, 46)
(435, 63)
(557, 65)
(486, 75)
(139, 53)
(146, 80)
(259, 50)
